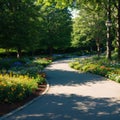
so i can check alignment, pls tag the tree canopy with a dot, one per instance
(48, 24)
(27, 25)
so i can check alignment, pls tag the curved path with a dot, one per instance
(74, 96)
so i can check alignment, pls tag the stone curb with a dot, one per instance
(27, 104)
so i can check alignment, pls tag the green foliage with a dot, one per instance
(32, 24)
(40, 78)
(31, 67)
(56, 28)
(100, 66)
(76, 65)
(90, 67)
(59, 4)
(7, 63)
(115, 77)
(18, 24)
(89, 32)
(14, 88)
(43, 61)
(21, 77)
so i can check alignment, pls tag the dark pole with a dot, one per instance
(108, 24)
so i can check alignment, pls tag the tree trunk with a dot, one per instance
(108, 44)
(109, 41)
(118, 30)
(98, 46)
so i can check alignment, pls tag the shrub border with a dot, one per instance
(27, 104)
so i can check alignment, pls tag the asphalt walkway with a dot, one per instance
(73, 96)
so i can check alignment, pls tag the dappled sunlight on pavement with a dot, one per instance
(71, 107)
(100, 89)
(74, 96)
(65, 80)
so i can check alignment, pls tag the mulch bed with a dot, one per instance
(7, 107)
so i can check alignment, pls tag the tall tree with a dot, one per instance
(109, 41)
(116, 15)
(30, 24)
(89, 27)
(18, 24)
(56, 28)
(106, 7)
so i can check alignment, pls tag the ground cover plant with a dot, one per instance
(14, 88)
(20, 77)
(100, 66)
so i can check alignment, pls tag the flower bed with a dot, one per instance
(16, 88)
(109, 69)
(19, 78)
(8, 107)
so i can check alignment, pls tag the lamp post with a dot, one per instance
(108, 25)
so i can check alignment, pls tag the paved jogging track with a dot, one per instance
(73, 96)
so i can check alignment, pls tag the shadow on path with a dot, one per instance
(72, 107)
(63, 77)
(63, 103)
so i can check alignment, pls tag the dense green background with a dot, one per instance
(47, 26)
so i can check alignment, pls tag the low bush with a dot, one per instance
(43, 61)
(115, 77)
(16, 88)
(90, 68)
(100, 66)
(75, 65)
(20, 77)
